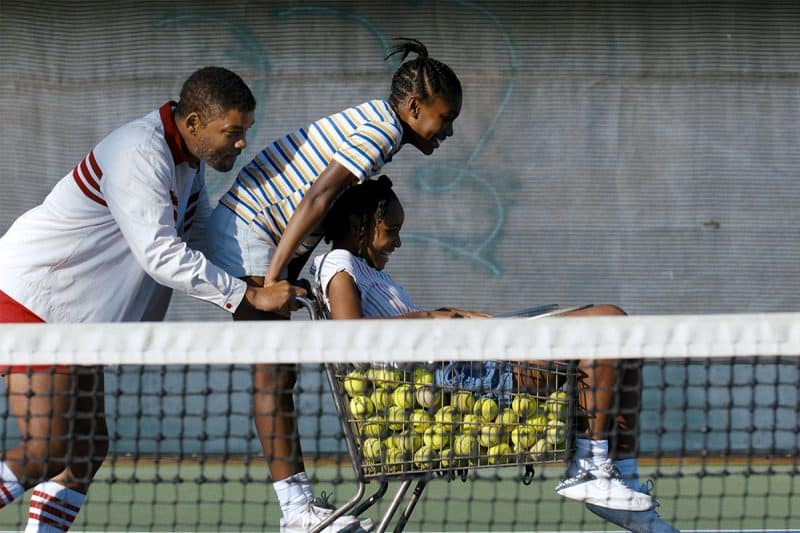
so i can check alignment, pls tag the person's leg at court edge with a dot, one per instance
(60, 413)
(592, 477)
(275, 419)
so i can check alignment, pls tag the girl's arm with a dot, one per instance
(312, 209)
(345, 302)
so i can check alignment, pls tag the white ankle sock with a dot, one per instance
(10, 487)
(53, 508)
(599, 452)
(293, 493)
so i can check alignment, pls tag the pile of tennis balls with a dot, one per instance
(404, 422)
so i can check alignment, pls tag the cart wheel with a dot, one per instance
(463, 474)
(527, 478)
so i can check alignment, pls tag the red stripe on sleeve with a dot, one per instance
(85, 189)
(88, 177)
(7, 493)
(95, 167)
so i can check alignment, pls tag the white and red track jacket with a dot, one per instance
(117, 232)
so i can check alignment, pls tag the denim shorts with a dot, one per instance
(234, 246)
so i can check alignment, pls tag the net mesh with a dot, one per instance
(718, 434)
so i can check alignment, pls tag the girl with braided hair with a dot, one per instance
(263, 230)
(364, 229)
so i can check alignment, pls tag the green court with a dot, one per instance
(234, 496)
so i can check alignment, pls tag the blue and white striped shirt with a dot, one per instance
(269, 188)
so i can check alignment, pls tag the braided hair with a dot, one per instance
(422, 76)
(368, 201)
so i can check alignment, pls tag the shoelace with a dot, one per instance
(649, 487)
(323, 500)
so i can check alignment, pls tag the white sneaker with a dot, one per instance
(303, 521)
(322, 501)
(603, 486)
(635, 521)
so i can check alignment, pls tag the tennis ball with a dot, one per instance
(507, 417)
(538, 451)
(523, 437)
(361, 406)
(425, 457)
(470, 424)
(463, 401)
(390, 442)
(447, 416)
(524, 405)
(396, 417)
(465, 446)
(385, 378)
(420, 420)
(499, 454)
(556, 405)
(381, 399)
(491, 435)
(486, 409)
(447, 458)
(435, 437)
(409, 442)
(403, 396)
(537, 423)
(426, 396)
(556, 433)
(372, 449)
(423, 376)
(355, 383)
(375, 426)
(393, 461)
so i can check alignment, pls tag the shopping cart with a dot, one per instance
(417, 423)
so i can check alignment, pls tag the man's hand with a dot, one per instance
(279, 297)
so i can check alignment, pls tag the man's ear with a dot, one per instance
(192, 121)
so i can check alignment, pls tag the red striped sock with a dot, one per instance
(53, 508)
(10, 488)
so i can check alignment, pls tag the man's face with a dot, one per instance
(220, 140)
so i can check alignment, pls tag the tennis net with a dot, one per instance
(421, 405)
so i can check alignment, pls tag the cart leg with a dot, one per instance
(369, 502)
(412, 502)
(341, 510)
(387, 517)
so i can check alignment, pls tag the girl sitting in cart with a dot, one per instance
(363, 228)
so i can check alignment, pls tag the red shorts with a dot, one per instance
(13, 312)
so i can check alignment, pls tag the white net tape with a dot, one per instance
(674, 336)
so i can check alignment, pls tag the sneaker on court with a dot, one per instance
(303, 521)
(322, 501)
(603, 486)
(635, 521)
